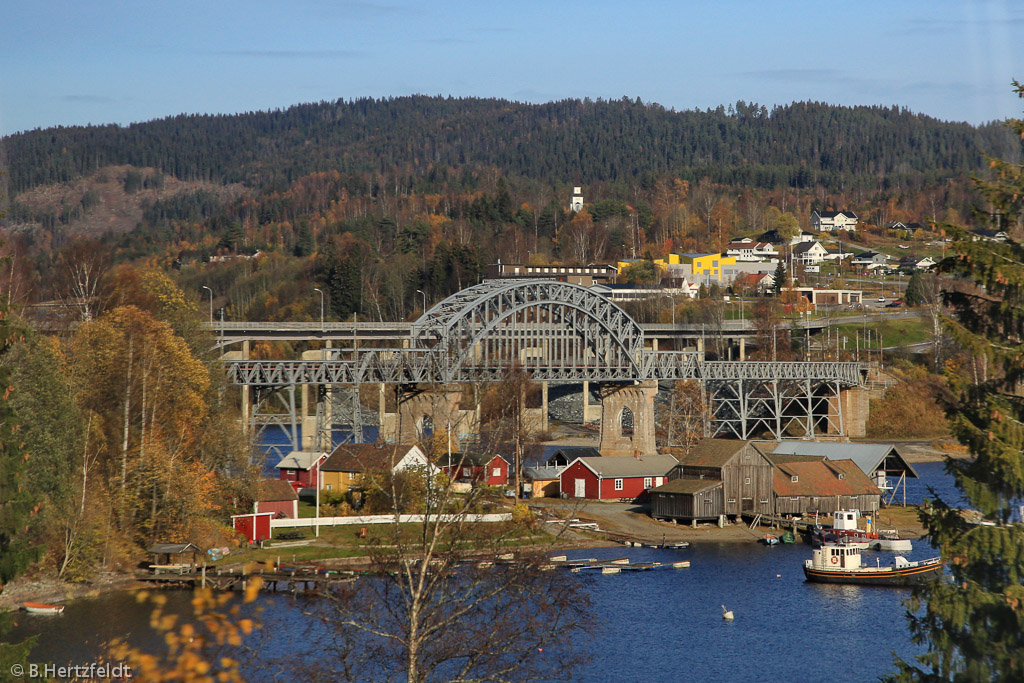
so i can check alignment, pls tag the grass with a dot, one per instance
(345, 541)
(896, 332)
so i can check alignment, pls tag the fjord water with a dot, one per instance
(663, 625)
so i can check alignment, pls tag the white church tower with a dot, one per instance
(577, 200)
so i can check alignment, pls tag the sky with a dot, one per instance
(118, 61)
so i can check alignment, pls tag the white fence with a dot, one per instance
(382, 519)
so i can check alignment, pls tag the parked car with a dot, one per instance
(894, 304)
(881, 299)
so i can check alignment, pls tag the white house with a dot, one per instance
(749, 250)
(827, 221)
(807, 253)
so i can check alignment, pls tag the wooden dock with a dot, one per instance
(292, 580)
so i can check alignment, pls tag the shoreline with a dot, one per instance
(624, 522)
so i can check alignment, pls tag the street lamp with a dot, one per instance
(673, 302)
(317, 289)
(211, 303)
(420, 291)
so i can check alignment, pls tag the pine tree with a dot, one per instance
(914, 296)
(16, 502)
(780, 277)
(973, 625)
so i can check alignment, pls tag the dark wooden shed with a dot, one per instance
(745, 473)
(688, 499)
(174, 554)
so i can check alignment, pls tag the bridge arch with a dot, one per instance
(541, 324)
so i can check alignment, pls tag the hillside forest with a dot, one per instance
(372, 200)
(137, 233)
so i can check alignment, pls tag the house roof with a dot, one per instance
(360, 457)
(570, 453)
(712, 452)
(816, 477)
(299, 460)
(624, 466)
(869, 457)
(476, 458)
(275, 489)
(806, 246)
(173, 548)
(833, 214)
(687, 486)
(542, 473)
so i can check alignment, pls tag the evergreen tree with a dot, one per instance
(914, 296)
(780, 277)
(973, 625)
(16, 502)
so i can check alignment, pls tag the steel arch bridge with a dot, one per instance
(561, 332)
(552, 328)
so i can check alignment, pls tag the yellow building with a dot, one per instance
(707, 267)
(344, 470)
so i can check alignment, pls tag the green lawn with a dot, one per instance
(896, 332)
(345, 541)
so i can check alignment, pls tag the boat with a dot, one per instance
(727, 614)
(770, 539)
(845, 530)
(787, 537)
(840, 563)
(42, 608)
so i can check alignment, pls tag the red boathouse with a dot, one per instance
(612, 478)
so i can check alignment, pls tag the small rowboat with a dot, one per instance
(42, 608)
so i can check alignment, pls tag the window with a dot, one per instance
(618, 484)
(842, 476)
(647, 482)
(764, 501)
(329, 487)
(467, 471)
(496, 472)
(658, 481)
(746, 480)
(794, 478)
(732, 500)
(746, 457)
(794, 498)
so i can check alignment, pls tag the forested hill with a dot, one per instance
(799, 145)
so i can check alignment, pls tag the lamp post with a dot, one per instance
(424, 294)
(211, 303)
(673, 303)
(317, 289)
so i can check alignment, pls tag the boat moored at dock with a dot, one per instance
(839, 563)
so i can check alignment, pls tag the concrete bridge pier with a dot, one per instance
(854, 404)
(638, 399)
(423, 411)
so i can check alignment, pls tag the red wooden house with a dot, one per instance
(277, 496)
(301, 468)
(482, 468)
(612, 478)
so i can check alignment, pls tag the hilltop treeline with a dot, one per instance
(800, 145)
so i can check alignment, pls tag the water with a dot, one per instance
(276, 443)
(651, 626)
(663, 625)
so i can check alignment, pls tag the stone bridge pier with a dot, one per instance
(617, 438)
(423, 411)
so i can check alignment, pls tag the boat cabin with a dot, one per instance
(836, 556)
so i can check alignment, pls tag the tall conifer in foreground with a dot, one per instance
(973, 625)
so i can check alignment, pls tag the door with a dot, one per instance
(581, 488)
(748, 505)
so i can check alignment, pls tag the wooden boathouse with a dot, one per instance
(743, 470)
(688, 499)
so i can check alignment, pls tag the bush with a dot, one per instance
(910, 409)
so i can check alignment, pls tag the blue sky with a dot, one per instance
(111, 61)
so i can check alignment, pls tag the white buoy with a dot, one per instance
(682, 564)
(727, 614)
